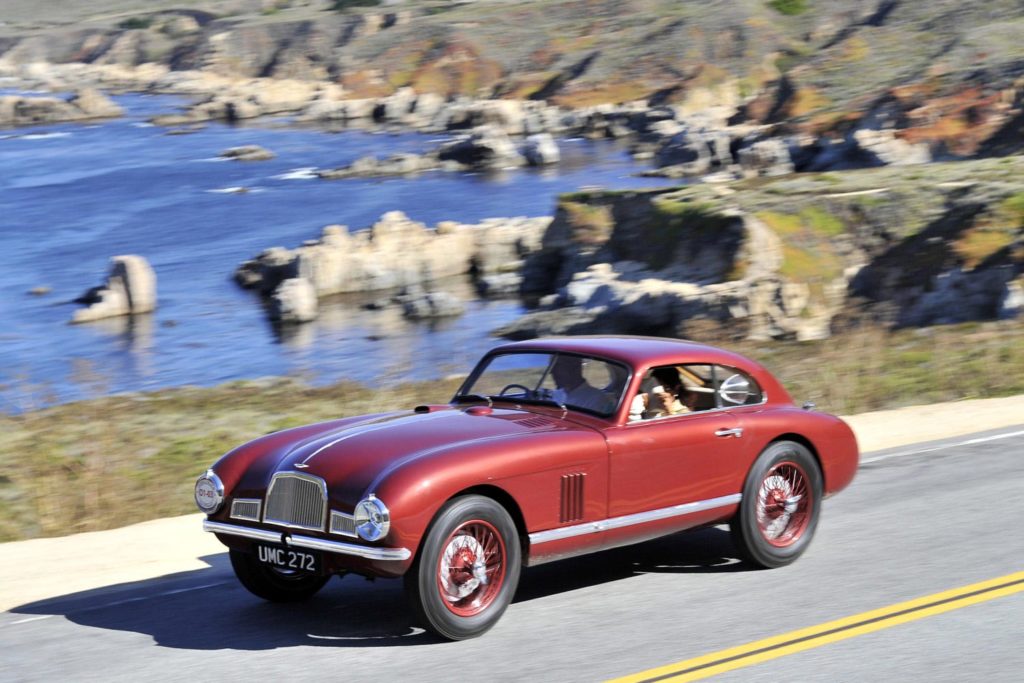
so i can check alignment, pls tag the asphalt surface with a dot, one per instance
(917, 520)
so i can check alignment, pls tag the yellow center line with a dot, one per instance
(829, 632)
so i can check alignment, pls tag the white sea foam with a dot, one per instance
(237, 189)
(304, 173)
(143, 124)
(43, 136)
(210, 160)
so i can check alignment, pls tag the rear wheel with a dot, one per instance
(780, 506)
(271, 583)
(467, 571)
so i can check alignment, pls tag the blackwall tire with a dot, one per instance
(270, 584)
(467, 570)
(780, 506)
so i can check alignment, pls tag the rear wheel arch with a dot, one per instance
(809, 445)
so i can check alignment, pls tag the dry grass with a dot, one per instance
(116, 460)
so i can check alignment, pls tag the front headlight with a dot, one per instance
(209, 492)
(372, 519)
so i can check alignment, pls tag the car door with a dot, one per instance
(659, 464)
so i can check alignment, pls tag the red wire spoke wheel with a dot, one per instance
(779, 506)
(783, 504)
(471, 568)
(467, 569)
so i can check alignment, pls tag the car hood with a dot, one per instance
(351, 457)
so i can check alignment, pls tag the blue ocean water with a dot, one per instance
(73, 195)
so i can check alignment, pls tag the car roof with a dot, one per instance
(635, 351)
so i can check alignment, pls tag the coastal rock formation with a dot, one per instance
(787, 257)
(487, 147)
(394, 165)
(248, 153)
(662, 272)
(395, 252)
(130, 289)
(87, 103)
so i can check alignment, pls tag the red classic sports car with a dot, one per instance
(550, 448)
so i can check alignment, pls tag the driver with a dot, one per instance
(573, 388)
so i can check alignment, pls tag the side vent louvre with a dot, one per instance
(572, 497)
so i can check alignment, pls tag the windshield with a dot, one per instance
(574, 382)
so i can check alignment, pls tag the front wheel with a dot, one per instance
(270, 583)
(467, 570)
(779, 510)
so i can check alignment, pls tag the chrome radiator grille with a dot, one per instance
(296, 500)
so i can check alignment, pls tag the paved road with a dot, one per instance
(912, 524)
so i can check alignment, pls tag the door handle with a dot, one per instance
(735, 431)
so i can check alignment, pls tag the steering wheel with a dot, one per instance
(525, 390)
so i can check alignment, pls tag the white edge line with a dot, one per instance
(968, 442)
(117, 603)
(28, 619)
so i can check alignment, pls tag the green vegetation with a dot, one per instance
(1013, 207)
(590, 223)
(675, 220)
(111, 461)
(136, 23)
(789, 7)
(345, 5)
(874, 369)
(808, 253)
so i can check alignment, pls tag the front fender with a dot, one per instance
(528, 469)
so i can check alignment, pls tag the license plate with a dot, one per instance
(286, 558)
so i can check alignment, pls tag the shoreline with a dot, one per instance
(66, 565)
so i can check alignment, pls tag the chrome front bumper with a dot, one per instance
(296, 541)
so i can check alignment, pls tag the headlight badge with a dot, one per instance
(209, 492)
(372, 519)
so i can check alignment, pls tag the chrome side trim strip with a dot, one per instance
(631, 520)
(308, 542)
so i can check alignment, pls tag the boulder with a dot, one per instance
(248, 153)
(395, 107)
(486, 147)
(130, 289)
(769, 157)
(426, 305)
(863, 148)
(294, 301)
(697, 149)
(94, 105)
(540, 150)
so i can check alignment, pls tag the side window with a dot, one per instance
(673, 390)
(736, 388)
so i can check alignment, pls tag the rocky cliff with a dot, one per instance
(940, 78)
(792, 257)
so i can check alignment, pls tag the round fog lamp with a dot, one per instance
(209, 492)
(372, 519)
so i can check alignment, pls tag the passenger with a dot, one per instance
(667, 397)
